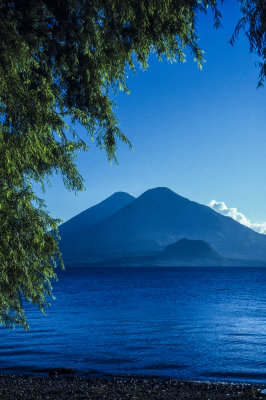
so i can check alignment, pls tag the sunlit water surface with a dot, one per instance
(190, 323)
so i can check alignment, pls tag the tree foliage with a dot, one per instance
(253, 23)
(61, 61)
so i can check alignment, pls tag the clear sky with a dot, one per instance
(200, 133)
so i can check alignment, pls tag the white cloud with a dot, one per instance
(222, 208)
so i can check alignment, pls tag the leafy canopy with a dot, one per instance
(61, 61)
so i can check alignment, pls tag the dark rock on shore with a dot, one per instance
(76, 388)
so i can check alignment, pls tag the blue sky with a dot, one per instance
(200, 133)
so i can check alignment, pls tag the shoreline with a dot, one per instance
(68, 387)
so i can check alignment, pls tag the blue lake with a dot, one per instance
(189, 323)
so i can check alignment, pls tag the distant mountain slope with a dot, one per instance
(160, 217)
(186, 252)
(186, 249)
(75, 227)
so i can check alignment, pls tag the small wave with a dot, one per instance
(162, 366)
(236, 375)
(23, 352)
(108, 361)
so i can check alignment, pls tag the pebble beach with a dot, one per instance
(114, 388)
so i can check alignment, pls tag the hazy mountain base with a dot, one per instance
(185, 253)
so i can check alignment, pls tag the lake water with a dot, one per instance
(189, 323)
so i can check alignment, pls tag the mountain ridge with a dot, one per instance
(158, 218)
(93, 215)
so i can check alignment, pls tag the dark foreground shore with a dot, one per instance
(75, 388)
